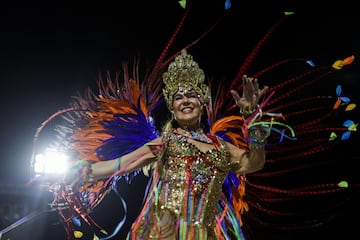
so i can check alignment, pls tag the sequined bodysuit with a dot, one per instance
(185, 193)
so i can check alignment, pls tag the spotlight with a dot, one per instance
(50, 165)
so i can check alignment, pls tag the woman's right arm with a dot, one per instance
(138, 158)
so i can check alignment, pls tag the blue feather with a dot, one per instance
(129, 132)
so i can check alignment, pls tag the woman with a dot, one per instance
(190, 165)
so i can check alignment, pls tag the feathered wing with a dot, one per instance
(302, 125)
(100, 127)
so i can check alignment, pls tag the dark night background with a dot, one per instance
(51, 50)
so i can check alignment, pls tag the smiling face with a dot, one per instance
(187, 109)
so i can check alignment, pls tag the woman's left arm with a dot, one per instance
(250, 161)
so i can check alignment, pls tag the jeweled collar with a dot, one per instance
(196, 134)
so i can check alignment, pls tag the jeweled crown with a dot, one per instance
(184, 74)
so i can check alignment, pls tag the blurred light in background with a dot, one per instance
(51, 162)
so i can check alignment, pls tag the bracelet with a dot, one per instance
(256, 146)
(259, 134)
(117, 165)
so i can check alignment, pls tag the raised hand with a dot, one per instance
(250, 97)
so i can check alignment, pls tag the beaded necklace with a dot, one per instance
(197, 134)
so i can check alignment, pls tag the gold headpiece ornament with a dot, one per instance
(184, 74)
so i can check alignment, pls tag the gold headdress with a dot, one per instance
(184, 74)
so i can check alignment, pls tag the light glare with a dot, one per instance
(51, 162)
